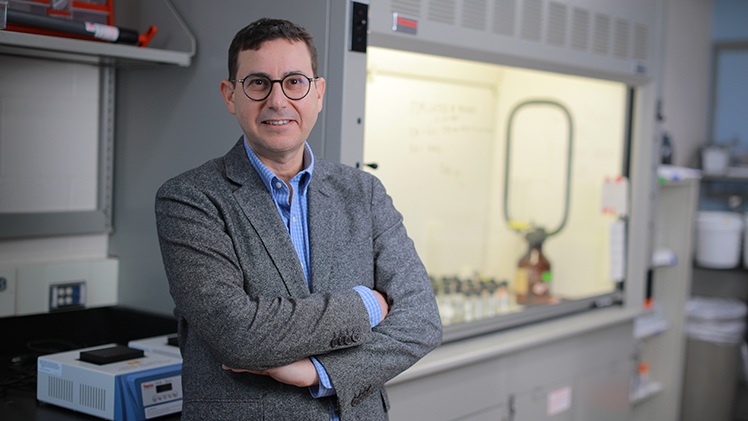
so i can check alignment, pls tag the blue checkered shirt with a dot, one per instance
(294, 215)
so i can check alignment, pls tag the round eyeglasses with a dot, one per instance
(295, 86)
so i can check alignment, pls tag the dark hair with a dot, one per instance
(262, 30)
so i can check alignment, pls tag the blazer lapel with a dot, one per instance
(262, 214)
(322, 219)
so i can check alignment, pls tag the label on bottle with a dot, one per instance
(521, 281)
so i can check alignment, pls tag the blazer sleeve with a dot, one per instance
(258, 329)
(411, 329)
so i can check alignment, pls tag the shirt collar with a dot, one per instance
(267, 176)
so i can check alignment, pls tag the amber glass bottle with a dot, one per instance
(532, 284)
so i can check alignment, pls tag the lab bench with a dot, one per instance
(576, 354)
(26, 337)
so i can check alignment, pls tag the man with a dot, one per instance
(297, 290)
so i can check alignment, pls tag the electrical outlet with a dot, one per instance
(37, 284)
(67, 296)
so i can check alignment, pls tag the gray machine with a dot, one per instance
(112, 382)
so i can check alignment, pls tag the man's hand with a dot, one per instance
(302, 373)
(382, 303)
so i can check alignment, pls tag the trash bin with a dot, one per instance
(718, 238)
(714, 331)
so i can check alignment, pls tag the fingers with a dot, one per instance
(301, 373)
(241, 370)
(382, 303)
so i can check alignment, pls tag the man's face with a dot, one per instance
(275, 126)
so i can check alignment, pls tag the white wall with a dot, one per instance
(685, 79)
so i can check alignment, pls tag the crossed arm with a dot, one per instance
(302, 373)
(211, 245)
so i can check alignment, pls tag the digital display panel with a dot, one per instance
(163, 388)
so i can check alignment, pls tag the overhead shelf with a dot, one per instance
(50, 47)
(672, 175)
(174, 43)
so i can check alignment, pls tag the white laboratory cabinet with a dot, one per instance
(662, 349)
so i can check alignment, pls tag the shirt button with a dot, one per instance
(279, 184)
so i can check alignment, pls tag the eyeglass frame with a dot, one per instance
(280, 82)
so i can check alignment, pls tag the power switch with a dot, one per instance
(359, 26)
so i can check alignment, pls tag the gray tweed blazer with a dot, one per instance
(242, 299)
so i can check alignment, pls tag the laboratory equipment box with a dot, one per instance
(112, 382)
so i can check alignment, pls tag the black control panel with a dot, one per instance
(359, 26)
